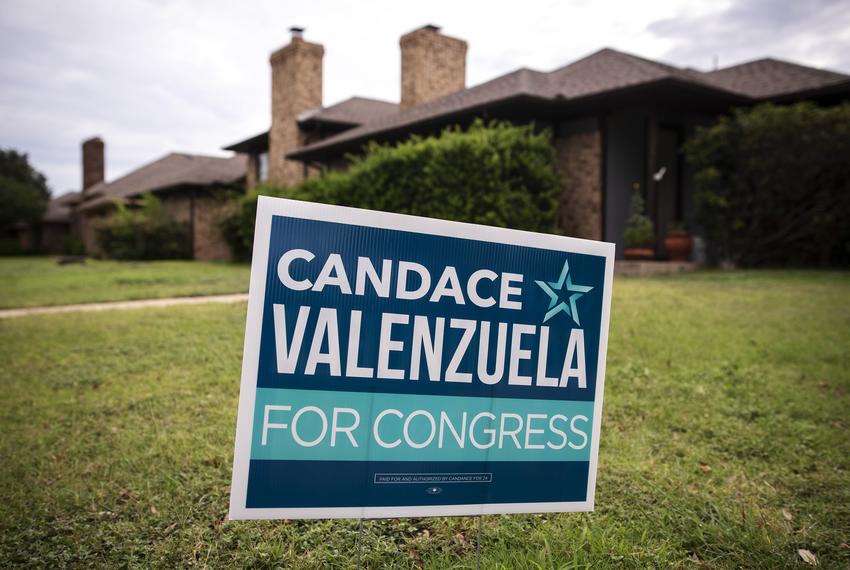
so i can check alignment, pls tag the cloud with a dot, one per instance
(152, 77)
(148, 78)
(816, 32)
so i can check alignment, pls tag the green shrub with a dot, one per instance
(73, 246)
(639, 230)
(773, 185)
(238, 227)
(23, 190)
(10, 246)
(146, 232)
(497, 174)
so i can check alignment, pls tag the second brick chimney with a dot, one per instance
(432, 65)
(296, 88)
(93, 162)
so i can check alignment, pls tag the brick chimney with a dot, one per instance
(432, 65)
(93, 162)
(296, 88)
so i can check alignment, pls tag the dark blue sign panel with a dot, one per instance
(403, 366)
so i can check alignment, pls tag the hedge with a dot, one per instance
(146, 232)
(497, 174)
(773, 185)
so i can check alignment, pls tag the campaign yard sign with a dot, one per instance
(405, 366)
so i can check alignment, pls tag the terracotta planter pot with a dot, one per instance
(639, 253)
(678, 245)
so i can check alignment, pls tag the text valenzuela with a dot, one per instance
(425, 339)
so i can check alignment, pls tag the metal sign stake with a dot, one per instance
(478, 546)
(359, 536)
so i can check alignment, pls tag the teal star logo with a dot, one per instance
(556, 304)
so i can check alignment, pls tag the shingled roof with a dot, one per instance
(520, 82)
(170, 171)
(59, 209)
(606, 71)
(353, 111)
(257, 143)
(767, 78)
(349, 113)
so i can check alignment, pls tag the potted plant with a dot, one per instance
(639, 237)
(678, 243)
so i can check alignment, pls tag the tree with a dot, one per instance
(773, 185)
(23, 190)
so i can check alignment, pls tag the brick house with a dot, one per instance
(51, 233)
(191, 187)
(618, 121)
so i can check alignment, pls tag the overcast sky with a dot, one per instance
(154, 76)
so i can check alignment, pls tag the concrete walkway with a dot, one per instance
(113, 305)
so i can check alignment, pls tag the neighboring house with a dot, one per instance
(191, 188)
(618, 121)
(51, 234)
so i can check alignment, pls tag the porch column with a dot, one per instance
(578, 159)
(252, 172)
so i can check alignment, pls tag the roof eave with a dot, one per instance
(257, 143)
(105, 200)
(333, 123)
(101, 203)
(319, 151)
(840, 88)
(180, 186)
(724, 96)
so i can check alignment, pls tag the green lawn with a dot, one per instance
(35, 281)
(725, 442)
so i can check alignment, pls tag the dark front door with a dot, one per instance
(667, 181)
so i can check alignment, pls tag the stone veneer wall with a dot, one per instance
(88, 234)
(252, 171)
(432, 65)
(178, 206)
(208, 242)
(296, 88)
(209, 210)
(579, 162)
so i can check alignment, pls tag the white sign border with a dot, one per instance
(267, 208)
